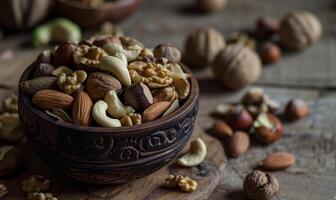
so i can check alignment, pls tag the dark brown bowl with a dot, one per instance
(86, 16)
(108, 155)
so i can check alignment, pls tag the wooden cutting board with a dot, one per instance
(208, 174)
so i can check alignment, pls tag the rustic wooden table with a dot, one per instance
(310, 75)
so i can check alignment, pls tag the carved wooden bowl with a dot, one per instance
(108, 155)
(85, 16)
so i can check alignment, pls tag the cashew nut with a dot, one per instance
(9, 124)
(195, 155)
(131, 53)
(117, 65)
(99, 115)
(115, 107)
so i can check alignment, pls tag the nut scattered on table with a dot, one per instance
(239, 118)
(277, 161)
(296, 109)
(269, 53)
(210, 5)
(268, 128)
(3, 190)
(35, 183)
(260, 186)
(202, 46)
(266, 27)
(11, 160)
(10, 103)
(242, 39)
(184, 183)
(195, 155)
(222, 130)
(238, 144)
(41, 196)
(9, 127)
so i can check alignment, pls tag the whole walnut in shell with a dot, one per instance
(237, 66)
(202, 46)
(210, 5)
(299, 29)
(22, 14)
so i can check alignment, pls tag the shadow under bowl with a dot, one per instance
(108, 155)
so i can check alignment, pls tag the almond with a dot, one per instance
(81, 109)
(238, 144)
(277, 161)
(49, 99)
(222, 129)
(155, 110)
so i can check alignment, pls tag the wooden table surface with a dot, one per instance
(310, 75)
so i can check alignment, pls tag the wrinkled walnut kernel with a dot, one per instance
(88, 56)
(71, 83)
(154, 75)
(185, 183)
(35, 183)
(130, 119)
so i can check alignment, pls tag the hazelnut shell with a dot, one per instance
(267, 135)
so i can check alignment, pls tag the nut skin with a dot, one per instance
(268, 135)
(296, 109)
(239, 119)
(49, 99)
(222, 130)
(260, 186)
(11, 162)
(167, 51)
(277, 161)
(138, 96)
(238, 144)
(81, 109)
(269, 53)
(266, 27)
(64, 55)
(202, 45)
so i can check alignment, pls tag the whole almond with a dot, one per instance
(155, 110)
(238, 144)
(277, 161)
(81, 109)
(49, 99)
(222, 129)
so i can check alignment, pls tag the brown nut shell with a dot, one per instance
(99, 83)
(269, 135)
(63, 55)
(49, 99)
(239, 119)
(155, 111)
(238, 144)
(277, 161)
(296, 109)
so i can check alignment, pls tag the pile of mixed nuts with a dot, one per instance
(114, 80)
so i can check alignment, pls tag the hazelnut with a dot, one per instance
(238, 144)
(210, 5)
(239, 119)
(202, 45)
(167, 51)
(254, 96)
(269, 53)
(266, 27)
(299, 29)
(268, 128)
(241, 38)
(63, 55)
(11, 160)
(296, 109)
(260, 186)
(237, 66)
(222, 129)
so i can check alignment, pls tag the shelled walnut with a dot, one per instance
(184, 183)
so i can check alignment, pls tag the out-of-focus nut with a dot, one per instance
(224, 110)
(98, 84)
(41, 196)
(210, 5)
(268, 128)
(222, 129)
(173, 107)
(138, 96)
(165, 94)
(10, 127)
(115, 107)
(185, 183)
(260, 186)
(44, 57)
(182, 87)
(99, 115)
(130, 119)
(3, 190)
(37, 84)
(35, 183)
(195, 155)
(239, 119)
(59, 114)
(241, 38)
(43, 69)
(71, 83)
(155, 111)
(63, 55)
(238, 144)
(11, 160)
(296, 109)
(111, 29)
(88, 57)
(277, 161)
(168, 51)
(62, 69)
(254, 96)
(266, 27)
(10, 103)
(102, 40)
(269, 53)
(145, 52)
(177, 71)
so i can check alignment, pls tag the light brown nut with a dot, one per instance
(239, 119)
(241, 38)
(172, 180)
(34, 85)
(63, 55)
(87, 57)
(187, 184)
(277, 161)
(43, 69)
(3, 190)
(167, 51)
(10, 103)
(10, 127)
(59, 114)
(41, 196)
(60, 70)
(195, 155)
(71, 83)
(11, 160)
(254, 96)
(81, 109)
(238, 144)
(145, 52)
(210, 5)
(107, 28)
(49, 99)
(296, 109)
(154, 75)
(182, 87)
(35, 183)
(173, 107)
(268, 128)
(222, 129)
(98, 84)
(260, 186)
(130, 119)
(155, 110)
(269, 53)
(165, 94)
(138, 96)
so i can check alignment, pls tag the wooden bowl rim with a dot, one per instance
(187, 106)
(105, 6)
